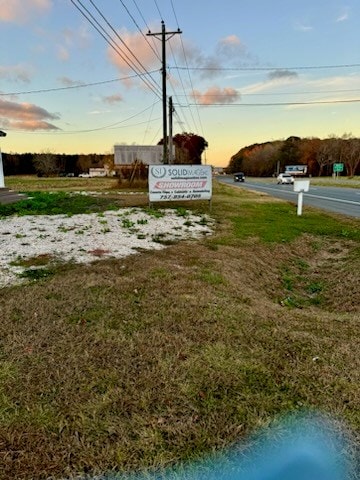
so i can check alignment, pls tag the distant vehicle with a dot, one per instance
(239, 177)
(296, 170)
(84, 175)
(285, 178)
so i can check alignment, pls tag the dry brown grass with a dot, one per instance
(157, 358)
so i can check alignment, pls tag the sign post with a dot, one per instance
(338, 168)
(301, 186)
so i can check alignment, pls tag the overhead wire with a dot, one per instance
(91, 19)
(268, 69)
(105, 127)
(73, 87)
(319, 102)
(123, 43)
(148, 29)
(158, 9)
(189, 76)
(156, 53)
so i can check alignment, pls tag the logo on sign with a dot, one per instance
(158, 172)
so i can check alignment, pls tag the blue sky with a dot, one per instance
(241, 72)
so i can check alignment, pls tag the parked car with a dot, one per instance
(239, 177)
(285, 178)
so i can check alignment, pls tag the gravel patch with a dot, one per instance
(88, 237)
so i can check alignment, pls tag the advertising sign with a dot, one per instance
(179, 182)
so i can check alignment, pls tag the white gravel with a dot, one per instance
(88, 237)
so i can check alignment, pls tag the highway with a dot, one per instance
(345, 201)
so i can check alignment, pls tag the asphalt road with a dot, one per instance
(345, 201)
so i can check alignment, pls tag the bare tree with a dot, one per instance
(351, 156)
(46, 164)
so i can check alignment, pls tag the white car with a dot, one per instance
(285, 178)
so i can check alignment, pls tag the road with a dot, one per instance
(345, 201)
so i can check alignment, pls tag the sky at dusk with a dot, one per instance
(79, 76)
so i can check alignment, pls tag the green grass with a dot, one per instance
(279, 222)
(55, 203)
(166, 356)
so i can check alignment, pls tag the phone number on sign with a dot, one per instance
(189, 196)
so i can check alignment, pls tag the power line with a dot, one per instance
(320, 102)
(158, 9)
(122, 41)
(139, 29)
(266, 69)
(113, 45)
(105, 127)
(190, 79)
(72, 87)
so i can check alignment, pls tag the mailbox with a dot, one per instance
(301, 185)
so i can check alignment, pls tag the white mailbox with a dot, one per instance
(301, 185)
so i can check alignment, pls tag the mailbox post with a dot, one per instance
(301, 186)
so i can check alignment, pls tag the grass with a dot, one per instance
(157, 359)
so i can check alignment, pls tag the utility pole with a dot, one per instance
(171, 111)
(164, 35)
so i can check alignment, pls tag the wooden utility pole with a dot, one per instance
(163, 36)
(171, 111)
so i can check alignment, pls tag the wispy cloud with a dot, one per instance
(216, 95)
(113, 99)
(20, 11)
(344, 15)
(282, 75)
(68, 82)
(26, 116)
(301, 27)
(15, 73)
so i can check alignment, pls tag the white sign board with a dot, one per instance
(301, 185)
(179, 182)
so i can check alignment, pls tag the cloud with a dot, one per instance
(216, 95)
(15, 73)
(26, 116)
(228, 51)
(68, 82)
(142, 54)
(343, 16)
(230, 47)
(282, 74)
(20, 11)
(303, 28)
(113, 99)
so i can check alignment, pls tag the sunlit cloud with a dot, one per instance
(216, 95)
(26, 116)
(20, 11)
(142, 55)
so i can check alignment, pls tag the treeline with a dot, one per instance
(50, 164)
(269, 158)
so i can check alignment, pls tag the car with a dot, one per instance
(285, 178)
(239, 177)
